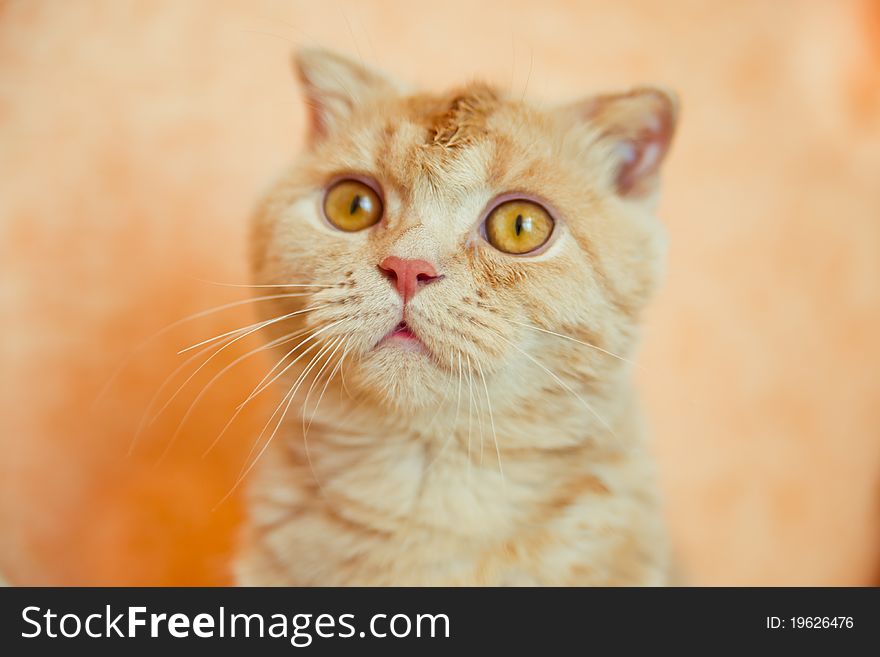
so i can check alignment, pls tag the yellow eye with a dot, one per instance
(351, 205)
(518, 227)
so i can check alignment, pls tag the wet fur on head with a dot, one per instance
(556, 414)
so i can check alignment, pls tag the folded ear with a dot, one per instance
(637, 128)
(335, 86)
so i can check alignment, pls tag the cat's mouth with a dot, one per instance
(403, 332)
(404, 335)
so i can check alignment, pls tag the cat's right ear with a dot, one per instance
(335, 87)
(632, 133)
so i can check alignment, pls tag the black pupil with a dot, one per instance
(355, 204)
(519, 224)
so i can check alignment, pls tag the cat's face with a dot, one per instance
(448, 229)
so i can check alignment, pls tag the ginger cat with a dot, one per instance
(465, 275)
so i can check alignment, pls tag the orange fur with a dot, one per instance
(381, 482)
(135, 136)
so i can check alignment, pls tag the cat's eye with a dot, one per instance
(352, 205)
(518, 227)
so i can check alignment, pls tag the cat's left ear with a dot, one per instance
(635, 130)
(335, 87)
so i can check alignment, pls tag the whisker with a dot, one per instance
(580, 342)
(305, 440)
(440, 406)
(255, 391)
(458, 397)
(474, 398)
(470, 416)
(198, 315)
(312, 331)
(281, 340)
(285, 402)
(317, 378)
(289, 397)
(327, 383)
(245, 285)
(529, 75)
(261, 325)
(478, 407)
(247, 458)
(451, 435)
(492, 420)
(342, 378)
(256, 441)
(560, 382)
(219, 337)
(262, 385)
(142, 425)
(315, 411)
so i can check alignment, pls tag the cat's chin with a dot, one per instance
(405, 341)
(403, 373)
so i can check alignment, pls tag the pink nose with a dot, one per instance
(408, 276)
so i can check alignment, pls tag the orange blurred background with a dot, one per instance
(135, 138)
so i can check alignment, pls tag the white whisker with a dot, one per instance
(285, 402)
(262, 385)
(338, 342)
(260, 324)
(290, 397)
(311, 330)
(144, 344)
(142, 425)
(314, 412)
(470, 420)
(561, 383)
(458, 396)
(287, 399)
(476, 408)
(259, 388)
(241, 406)
(281, 340)
(440, 406)
(568, 337)
(342, 378)
(247, 458)
(336, 369)
(451, 437)
(492, 420)
(245, 285)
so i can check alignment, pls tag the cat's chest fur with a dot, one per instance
(475, 254)
(382, 510)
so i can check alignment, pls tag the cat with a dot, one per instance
(466, 272)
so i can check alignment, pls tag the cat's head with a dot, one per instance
(456, 234)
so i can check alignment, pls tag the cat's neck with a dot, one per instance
(454, 468)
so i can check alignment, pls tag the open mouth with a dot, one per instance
(405, 338)
(402, 332)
